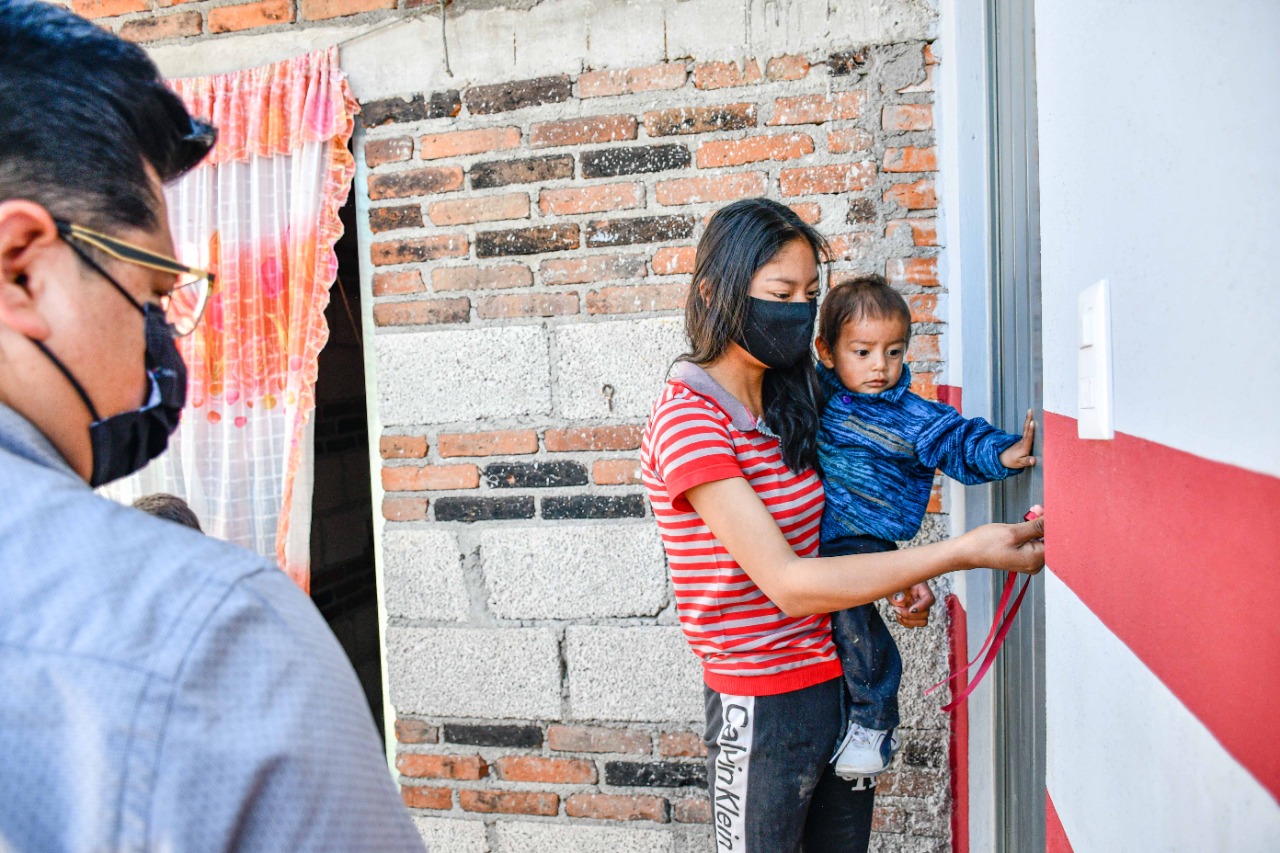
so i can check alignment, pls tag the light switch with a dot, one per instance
(1086, 393)
(1094, 401)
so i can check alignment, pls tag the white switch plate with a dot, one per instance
(1094, 398)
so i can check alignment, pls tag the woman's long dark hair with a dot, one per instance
(738, 241)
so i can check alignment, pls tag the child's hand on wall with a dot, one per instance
(1019, 455)
(912, 605)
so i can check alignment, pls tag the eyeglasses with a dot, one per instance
(184, 305)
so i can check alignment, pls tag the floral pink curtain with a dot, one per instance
(262, 212)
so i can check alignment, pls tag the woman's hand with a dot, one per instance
(1008, 547)
(912, 605)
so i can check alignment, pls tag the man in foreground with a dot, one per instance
(161, 690)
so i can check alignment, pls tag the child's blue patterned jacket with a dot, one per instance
(879, 452)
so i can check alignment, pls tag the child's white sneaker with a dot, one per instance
(865, 752)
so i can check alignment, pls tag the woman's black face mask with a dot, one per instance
(779, 334)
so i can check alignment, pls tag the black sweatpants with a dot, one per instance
(773, 788)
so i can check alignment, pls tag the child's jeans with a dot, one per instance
(868, 653)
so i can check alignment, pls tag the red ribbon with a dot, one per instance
(1001, 623)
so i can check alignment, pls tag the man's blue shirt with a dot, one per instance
(162, 690)
(879, 451)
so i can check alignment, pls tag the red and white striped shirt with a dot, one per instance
(699, 433)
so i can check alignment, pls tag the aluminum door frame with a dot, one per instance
(1017, 385)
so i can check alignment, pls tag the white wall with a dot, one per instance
(1158, 171)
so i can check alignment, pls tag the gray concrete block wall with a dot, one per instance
(422, 573)
(614, 370)
(660, 680)
(460, 376)
(541, 838)
(591, 571)
(510, 673)
(453, 836)
(525, 320)
(532, 244)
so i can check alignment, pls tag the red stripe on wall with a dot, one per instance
(951, 395)
(958, 656)
(1055, 837)
(1180, 558)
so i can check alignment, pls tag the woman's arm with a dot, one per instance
(802, 587)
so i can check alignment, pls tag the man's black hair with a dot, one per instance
(82, 112)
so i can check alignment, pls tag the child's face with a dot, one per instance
(868, 356)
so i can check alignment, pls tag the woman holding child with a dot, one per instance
(730, 460)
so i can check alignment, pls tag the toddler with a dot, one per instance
(879, 445)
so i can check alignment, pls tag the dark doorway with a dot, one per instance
(343, 584)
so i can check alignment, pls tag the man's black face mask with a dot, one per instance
(124, 443)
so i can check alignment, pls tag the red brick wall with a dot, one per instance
(558, 197)
(578, 771)
(164, 20)
(575, 199)
(571, 199)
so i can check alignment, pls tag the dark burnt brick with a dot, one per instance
(500, 173)
(923, 754)
(862, 211)
(418, 249)
(166, 27)
(435, 179)
(682, 120)
(422, 312)
(520, 475)
(845, 62)
(483, 509)
(592, 506)
(391, 218)
(526, 241)
(635, 160)
(639, 229)
(503, 97)
(655, 774)
(524, 737)
(439, 105)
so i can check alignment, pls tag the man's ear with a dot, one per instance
(824, 352)
(28, 237)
